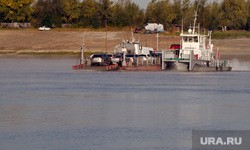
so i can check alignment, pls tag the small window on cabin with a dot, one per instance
(185, 39)
(190, 39)
(196, 39)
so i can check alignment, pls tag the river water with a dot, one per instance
(45, 105)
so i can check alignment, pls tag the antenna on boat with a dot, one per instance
(182, 25)
(195, 18)
(199, 28)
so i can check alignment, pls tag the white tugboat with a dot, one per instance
(194, 54)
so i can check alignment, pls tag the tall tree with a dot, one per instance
(232, 14)
(185, 6)
(150, 11)
(105, 11)
(43, 12)
(118, 14)
(141, 19)
(71, 10)
(248, 12)
(161, 12)
(213, 12)
(88, 9)
(177, 8)
(16, 10)
(57, 12)
(131, 13)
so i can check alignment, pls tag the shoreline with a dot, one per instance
(39, 52)
(231, 55)
(67, 43)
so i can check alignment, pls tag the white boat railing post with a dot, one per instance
(163, 65)
(82, 54)
(124, 64)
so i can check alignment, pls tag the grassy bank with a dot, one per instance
(230, 35)
(110, 29)
(215, 35)
(219, 34)
(48, 53)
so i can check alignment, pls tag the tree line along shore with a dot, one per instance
(214, 15)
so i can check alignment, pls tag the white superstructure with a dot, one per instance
(194, 41)
(132, 47)
(194, 53)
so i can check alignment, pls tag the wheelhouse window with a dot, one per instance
(191, 39)
(196, 39)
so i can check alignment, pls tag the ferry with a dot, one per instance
(194, 54)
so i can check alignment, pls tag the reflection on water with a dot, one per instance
(46, 105)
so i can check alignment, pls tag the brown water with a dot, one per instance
(45, 105)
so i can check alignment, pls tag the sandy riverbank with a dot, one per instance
(70, 41)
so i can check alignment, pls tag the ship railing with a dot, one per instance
(140, 61)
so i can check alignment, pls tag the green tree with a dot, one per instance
(150, 11)
(232, 14)
(141, 19)
(160, 12)
(71, 10)
(16, 10)
(248, 13)
(105, 11)
(213, 12)
(43, 13)
(88, 9)
(127, 13)
(177, 8)
(118, 14)
(57, 12)
(132, 13)
(189, 18)
(185, 6)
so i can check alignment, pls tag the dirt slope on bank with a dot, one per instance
(26, 40)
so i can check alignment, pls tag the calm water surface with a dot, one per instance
(45, 105)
